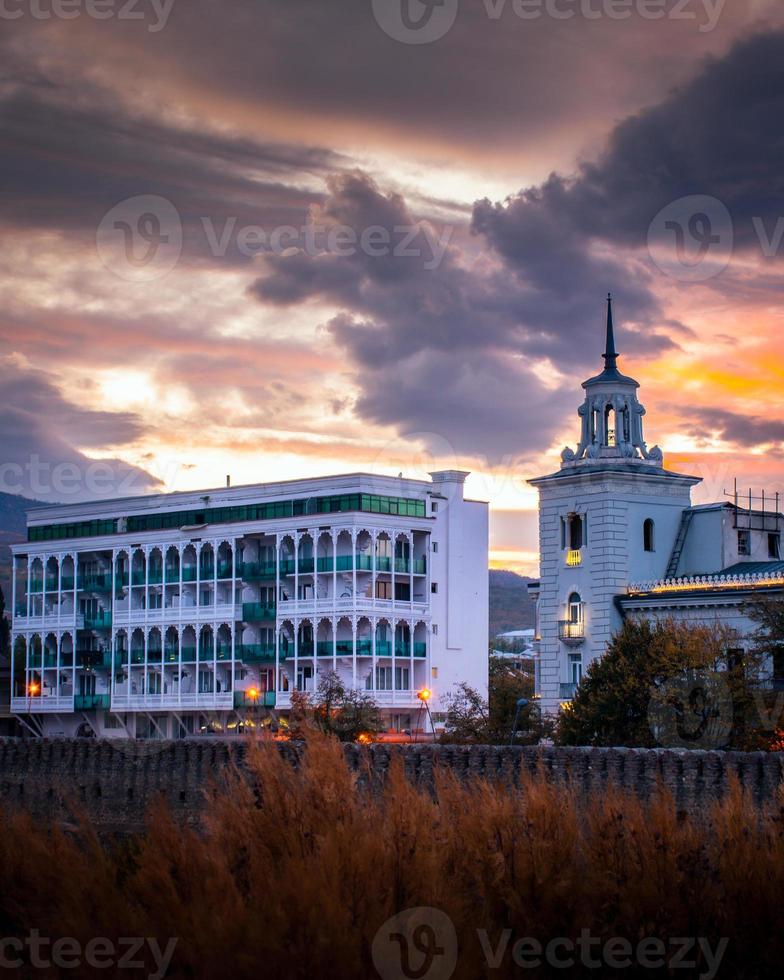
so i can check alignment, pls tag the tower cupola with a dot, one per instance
(611, 415)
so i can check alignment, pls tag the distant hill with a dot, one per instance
(510, 606)
(13, 529)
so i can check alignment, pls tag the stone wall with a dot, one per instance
(115, 782)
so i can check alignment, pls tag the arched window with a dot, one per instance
(575, 608)
(648, 535)
(610, 426)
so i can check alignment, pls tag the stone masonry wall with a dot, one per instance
(115, 782)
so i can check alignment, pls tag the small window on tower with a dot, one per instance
(574, 534)
(744, 541)
(648, 535)
(774, 545)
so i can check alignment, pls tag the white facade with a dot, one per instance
(612, 518)
(166, 615)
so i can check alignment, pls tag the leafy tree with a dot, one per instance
(667, 683)
(344, 712)
(472, 719)
(5, 629)
(768, 614)
(467, 716)
(506, 685)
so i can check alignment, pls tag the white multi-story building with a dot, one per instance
(167, 615)
(618, 536)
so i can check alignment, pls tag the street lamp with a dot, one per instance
(424, 696)
(521, 703)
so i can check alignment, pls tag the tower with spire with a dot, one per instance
(609, 516)
(611, 415)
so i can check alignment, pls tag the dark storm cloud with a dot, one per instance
(715, 136)
(563, 244)
(746, 431)
(38, 427)
(64, 166)
(448, 349)
(332, 62)
(400, 304)
(475, 406)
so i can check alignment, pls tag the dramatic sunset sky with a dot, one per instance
(539, 152)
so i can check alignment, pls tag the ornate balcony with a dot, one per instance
(574, 557)
(570, 632)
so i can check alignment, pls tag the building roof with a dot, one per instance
(753, 568)
(634, 467)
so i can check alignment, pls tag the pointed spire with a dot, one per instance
(610, 354)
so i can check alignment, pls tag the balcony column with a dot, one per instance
(373, 570)
(180, 553)
(373, 628)
(334, 624)
(179, 667)
(354, 567)
(411, 651)
(296, 624)
(112, 648)
(296, 575)
(314, 540)
(146, 588)
(277, 659)
(393, 543)
(277, 578)
(28, 671)
(45, 568)
(13, 589)
(198, 587)
(334, 537)
(29, 574)
(393, 627)
(233, 603)
(60, 589)
(215, 548)
(410, 540)
(112, 601)
(74, 560)
(354, 652)
(146, 633)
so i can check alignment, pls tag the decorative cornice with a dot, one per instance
(702, 583)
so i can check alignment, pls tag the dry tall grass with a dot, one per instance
(297, 884)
